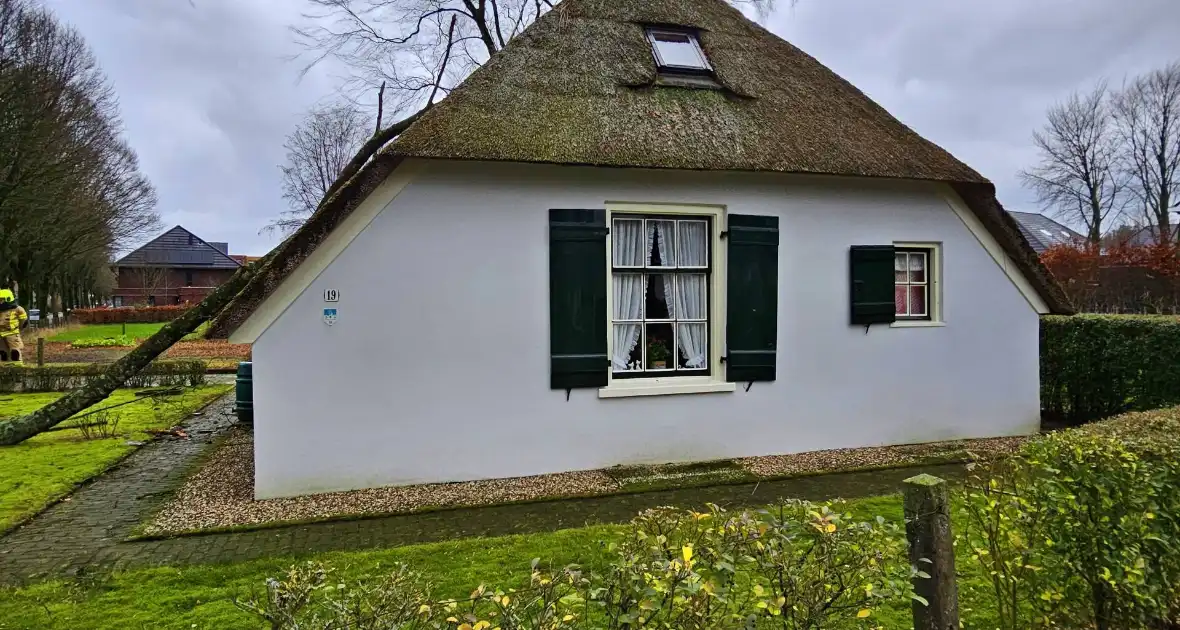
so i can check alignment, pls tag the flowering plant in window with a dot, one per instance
(658, 354)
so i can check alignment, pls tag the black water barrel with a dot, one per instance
(244, 390)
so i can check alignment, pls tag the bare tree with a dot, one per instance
(317, 151)
(421, 49)
(150, 278)
(62, 159)
(1077, 177)
(1147, 113)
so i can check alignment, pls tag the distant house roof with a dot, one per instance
(180, 248)
(1041, 232)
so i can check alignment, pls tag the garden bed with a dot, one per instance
(220, 495)
(220, 354)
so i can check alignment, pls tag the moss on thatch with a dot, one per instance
(579, 86)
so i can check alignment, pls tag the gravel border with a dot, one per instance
(843, 459)
(221, 494)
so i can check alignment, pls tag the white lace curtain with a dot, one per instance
(687, 293)
(628, 290)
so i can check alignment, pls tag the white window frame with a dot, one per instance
(653, 32)
(715, 334)
(933, 286)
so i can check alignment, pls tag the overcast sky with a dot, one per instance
(209, 91)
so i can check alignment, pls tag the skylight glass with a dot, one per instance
(677, 50)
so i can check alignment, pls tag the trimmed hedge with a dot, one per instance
(1096, 366)
(128, 314)
(189, 373)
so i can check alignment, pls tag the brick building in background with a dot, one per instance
(176, 267)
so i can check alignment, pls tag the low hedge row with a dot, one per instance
(128, 314)
(1096, 366)
(189, 373)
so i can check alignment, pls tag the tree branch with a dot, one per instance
(369, 148)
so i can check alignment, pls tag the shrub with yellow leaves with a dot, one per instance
(793, 566)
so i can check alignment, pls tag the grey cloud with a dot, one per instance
(976, 77)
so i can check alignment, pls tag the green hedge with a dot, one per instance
(1096, 366)
(188, 372)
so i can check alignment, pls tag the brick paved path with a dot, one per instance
(88, 531)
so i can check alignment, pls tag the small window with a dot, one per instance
(188, 278)
(911, 283)
(677, 50)
(117, 300)
(660, 278)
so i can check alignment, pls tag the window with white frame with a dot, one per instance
(660, 282)
(677, 50)
(912, 279)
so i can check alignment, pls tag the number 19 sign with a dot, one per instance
(331, 295)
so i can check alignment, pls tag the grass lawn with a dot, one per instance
(199, 596)
(50, 465)
(105, 331)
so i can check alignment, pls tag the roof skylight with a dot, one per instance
(677, 50)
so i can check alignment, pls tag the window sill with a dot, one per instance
(663, 387)
(917, 324)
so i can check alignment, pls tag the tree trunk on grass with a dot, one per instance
(19, 429)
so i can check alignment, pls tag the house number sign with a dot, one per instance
(331, 295)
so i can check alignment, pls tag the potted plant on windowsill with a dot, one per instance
(658, 354)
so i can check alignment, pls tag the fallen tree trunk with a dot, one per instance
(17, 430)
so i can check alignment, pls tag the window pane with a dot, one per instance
(628, 354)
(693, 243)
(629, 243)
(660, 291)
(677, 50)
(660, 343)
(917, 267)
(899, 305)
(918, 300)
(628, 296)
(899, 267)
(661, 243)
(692, 297)
(692, 346)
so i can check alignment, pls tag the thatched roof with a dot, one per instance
(580, 86)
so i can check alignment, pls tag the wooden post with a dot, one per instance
(928, 528)
(40, 351)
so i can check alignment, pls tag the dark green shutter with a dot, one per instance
(871, 273)
(577, 299)
(751, 327)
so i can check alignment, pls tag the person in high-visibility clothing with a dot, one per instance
(12, 319)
